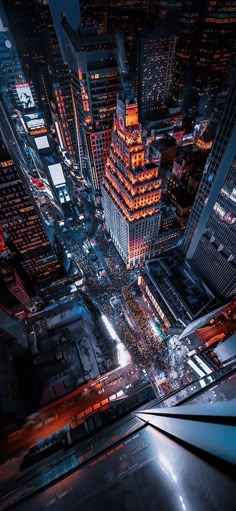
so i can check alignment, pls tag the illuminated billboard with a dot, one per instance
(34, 121)
(56, 173)
(25, 95)
(41, 142)
(39, 131)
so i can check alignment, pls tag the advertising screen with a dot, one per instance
(34, 121)
(25, 95)
(57, 174)
(41, 142)
(39, 131)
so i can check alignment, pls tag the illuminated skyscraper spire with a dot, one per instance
(132, 188)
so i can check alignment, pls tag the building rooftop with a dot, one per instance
(161, 118)
(183, 198)
(183, 292)
(183, 156)
(70, 345)
(164, 143)
(87, 38)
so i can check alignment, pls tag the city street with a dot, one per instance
(112, 288)
(75, 407)
(115, 292)
(105, 276)
(117, 255)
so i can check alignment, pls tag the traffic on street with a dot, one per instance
(71, 409)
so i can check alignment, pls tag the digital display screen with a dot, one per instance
(41, 142)
(25, 95)
(34, 121)
(57, 175)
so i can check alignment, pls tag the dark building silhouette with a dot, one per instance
(209, 239)
(205, 54)
(127, 18)
(156, 65)
(12, 289)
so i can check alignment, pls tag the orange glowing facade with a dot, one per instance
(131, 189)
(92, 60)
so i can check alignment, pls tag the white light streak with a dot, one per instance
(123, 355)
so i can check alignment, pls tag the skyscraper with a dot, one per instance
(205, 53)
(22, 225)
(72, 12)
(156, 61)
(25, 30)
(215, 54)
(92, 62)
(11, 71)
(36, 40)
(131, 191)
(210, 239)
(127, 18)
(188, 37)
(63, 114)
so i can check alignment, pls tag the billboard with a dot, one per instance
(56, 173)
(25, 95)
(39, 131)
(41, 142)
(34, 121)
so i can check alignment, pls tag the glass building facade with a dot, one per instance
(209, 239)
(175, 458)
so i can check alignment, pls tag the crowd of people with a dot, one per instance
(147, 349)
(151, 343)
